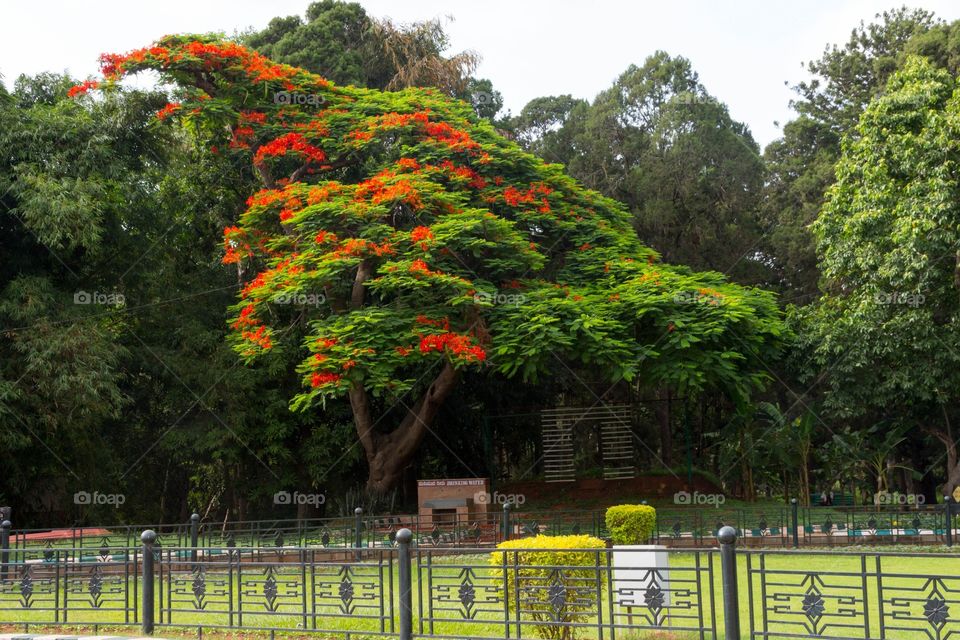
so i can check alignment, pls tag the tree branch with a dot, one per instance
(357, 295)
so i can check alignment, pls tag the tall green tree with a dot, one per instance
(410, 216)
(800, 164)
(885, 332)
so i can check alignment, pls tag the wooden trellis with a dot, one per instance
(616, 440)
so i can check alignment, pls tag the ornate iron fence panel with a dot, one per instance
(278, 589)
(924, 603)
(500, 594)
(85, 586)
(853, 595)
(786, 601)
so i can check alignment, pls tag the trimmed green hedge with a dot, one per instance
(631, 523)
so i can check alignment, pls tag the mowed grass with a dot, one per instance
(695, 591)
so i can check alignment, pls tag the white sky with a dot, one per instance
(743, 51)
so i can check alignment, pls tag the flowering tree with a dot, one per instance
(415, 242)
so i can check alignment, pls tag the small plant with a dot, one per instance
(556, 592)
(631, 523)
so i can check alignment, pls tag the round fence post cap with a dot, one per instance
(195, 517)
(793, 501)
(727, 535)
(404, 536)
(6, 524)
(148, 537)
(507, 506)
(358, 511)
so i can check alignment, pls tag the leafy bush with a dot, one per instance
(631, 523)
(554, 592)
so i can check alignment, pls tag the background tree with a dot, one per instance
(658, 142)
(800, 163)
(341, 43)
(884, 331)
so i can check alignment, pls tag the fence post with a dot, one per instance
(4, 548)
(404, 536)
(358, 526)
(506, 521)
(948, 512)
(728, 568)
(796, 524)
(148, 537)
(194, 535)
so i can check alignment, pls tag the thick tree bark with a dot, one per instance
(945, 435)
(389, 453)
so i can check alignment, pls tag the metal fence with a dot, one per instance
(785, 526)
(408, 590)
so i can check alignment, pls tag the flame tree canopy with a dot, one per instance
(409, 241)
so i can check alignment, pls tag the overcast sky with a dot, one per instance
(744, 51)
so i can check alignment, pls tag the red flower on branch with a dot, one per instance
(458, 345)
(421, 235)
(168, 110)
(290, 142)
(319, 379)
(82, 88)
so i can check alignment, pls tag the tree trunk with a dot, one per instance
(388, 454)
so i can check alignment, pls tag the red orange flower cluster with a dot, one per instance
(235, 246)
(242, 136)
(82, 88)
(319, 379)
(356, 247)
(420, 267)
(287, 143)
(168, 110)
(514, 197)
(475, 179)
(457, 344)
(318, 193)
(260, 337)
(379, 189)
(421, 235)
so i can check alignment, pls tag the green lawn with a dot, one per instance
(787, 573)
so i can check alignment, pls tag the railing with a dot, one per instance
(483, 593)
(685, 527)
(858, 595)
